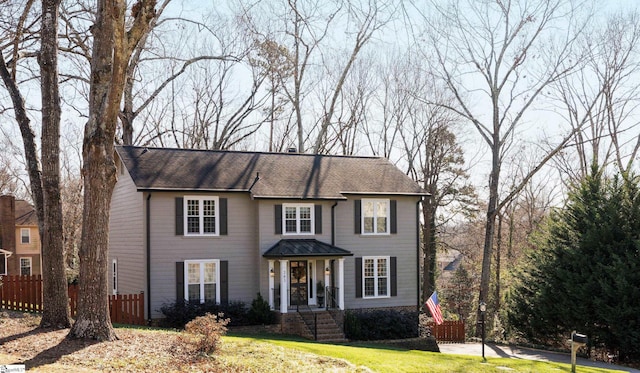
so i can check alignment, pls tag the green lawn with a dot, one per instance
(386, 359)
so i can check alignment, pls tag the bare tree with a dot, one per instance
(303, 26)
(55, 294)
(112, 48)
(368, 19)
(505, 53)
(44, 182)
(603, 98)
(274, 61)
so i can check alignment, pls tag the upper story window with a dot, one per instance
(375, 216)
(375, 275)
(25, 235)
(201, 216)
(298, 218)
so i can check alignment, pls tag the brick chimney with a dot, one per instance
(8, 231)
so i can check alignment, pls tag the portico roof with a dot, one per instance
(304, 247)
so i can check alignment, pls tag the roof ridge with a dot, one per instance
(253, 152)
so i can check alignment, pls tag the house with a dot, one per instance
(20, 247)
(223, 226)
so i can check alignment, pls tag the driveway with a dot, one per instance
(514, 352)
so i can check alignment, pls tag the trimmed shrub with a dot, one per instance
(381, 324)
(260, 313)
(178, 314)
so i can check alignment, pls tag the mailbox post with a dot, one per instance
(577, 341)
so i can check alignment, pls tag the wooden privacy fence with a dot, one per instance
(24, 293)
(448, 331)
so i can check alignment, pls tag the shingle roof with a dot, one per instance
(265, 175)
(304, 247)
(25, 213)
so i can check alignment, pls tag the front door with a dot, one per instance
(298, 288)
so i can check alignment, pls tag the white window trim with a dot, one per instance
(201, 262)
(297, 206)
(375, 225)
(200, 200)
(114, 276)
(30, 265)
(22, 230)
(375, 277)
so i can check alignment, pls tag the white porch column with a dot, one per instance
(272, 284)
(327, 277)
(341, 283)
(284, 286)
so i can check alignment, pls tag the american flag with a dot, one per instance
(434, 306)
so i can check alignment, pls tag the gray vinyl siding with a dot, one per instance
(238, 247)
(268, 237)
(402, 245)
(126, 237)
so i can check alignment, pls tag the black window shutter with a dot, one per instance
(318, 217)
(179, 282)
(278, 219)
(179, 216)
(358, 277)
(394, 216)
(224, 282)
(393, 271)
(223, 216)
(357, 214)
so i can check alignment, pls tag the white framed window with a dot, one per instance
(375, 277)
(114, 276)
(201, 216)
(25, 266)
(298, 218)
(25, 235)
(202, 280)
(375, 216)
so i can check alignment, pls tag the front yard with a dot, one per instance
(147, 350)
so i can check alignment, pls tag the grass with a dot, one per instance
(143, 349)
(388, 359)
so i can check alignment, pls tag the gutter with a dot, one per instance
(148, 234)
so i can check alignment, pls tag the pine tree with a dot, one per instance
(583, 273)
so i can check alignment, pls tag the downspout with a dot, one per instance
(418, 252)
(148, 233)
(333, 224)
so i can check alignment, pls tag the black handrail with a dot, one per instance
(330, 299)
(315, 316)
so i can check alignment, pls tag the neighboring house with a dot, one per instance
(20, 248)
(226, 225)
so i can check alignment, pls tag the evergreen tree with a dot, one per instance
(583, 273)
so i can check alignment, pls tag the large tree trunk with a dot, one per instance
(485, 277)
(93, 320)
(55, 297)
(112, 47)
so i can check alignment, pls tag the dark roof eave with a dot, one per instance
(195, 190)
(327, 255)
(417, 194)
